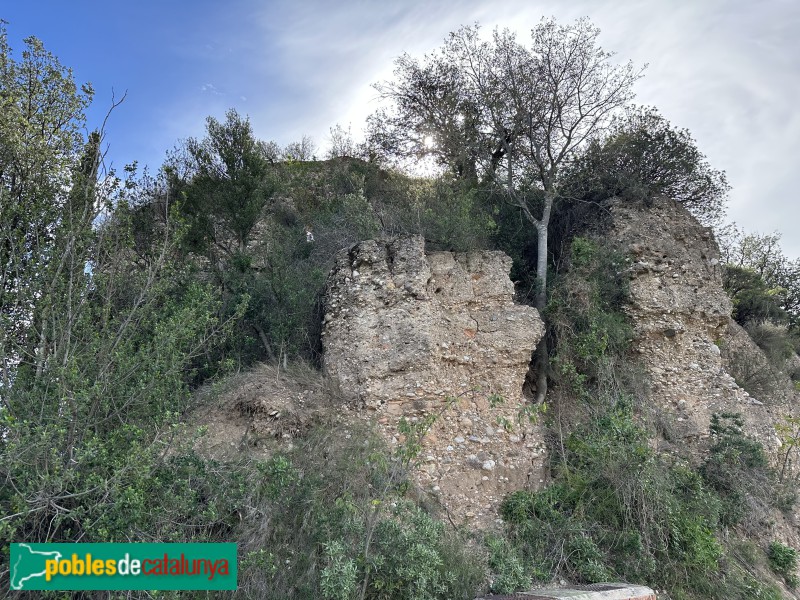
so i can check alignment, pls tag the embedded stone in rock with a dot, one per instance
(417, 334)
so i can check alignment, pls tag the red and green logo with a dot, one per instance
(123, 566)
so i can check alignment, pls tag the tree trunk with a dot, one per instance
(265, 342)
(541, 253)
(542, 356)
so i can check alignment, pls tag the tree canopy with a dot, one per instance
(93, 344)
(231, 182)
(642, 155)
(498, 108)
(763, 282)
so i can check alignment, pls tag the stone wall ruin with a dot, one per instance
(410, 334)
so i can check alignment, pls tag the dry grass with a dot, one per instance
(264, 409)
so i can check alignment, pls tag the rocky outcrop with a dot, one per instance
(415, 335)
(695, 354)
(681, 317)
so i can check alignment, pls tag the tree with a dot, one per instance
(342, 144)
(644, 155)
(300, 151)
(773, 277)
(753, 301)
(94, 344)
(512, 116)
(41, 117)
(232, 182)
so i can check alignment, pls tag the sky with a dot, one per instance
(728, 70)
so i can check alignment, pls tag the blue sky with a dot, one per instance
(729, 70)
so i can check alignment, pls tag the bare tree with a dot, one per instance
(342, 144)
(302, 150)
(509, 115)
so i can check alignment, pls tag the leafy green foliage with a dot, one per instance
(762, 255)
(510, 572)
(783, 560)
(585, 313)
(340, 527)
(449, 215)
(447, 212)
(81, 429)
(789, 434)
(644, 155)
(44, 203)
(737, 469)
(753, 301)
(338, 579)
(778, 345)
(762, 378)
(615, 510)
(98, 334)
(233, 181)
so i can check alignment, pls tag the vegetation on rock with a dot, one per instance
(122, 294)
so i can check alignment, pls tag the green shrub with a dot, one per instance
(777, 343)
(339, 526)
(753, 300)
(339, 577)
(783, 560)
(736, 468)
(405, 561)
(615, 510)
(509, 572)
(446, 212)
(587, 320)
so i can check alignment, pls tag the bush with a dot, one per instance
(644, 155)
(588, 323)
(777, 343)
(333, 515)
(783, 560)
(737, 469)
(446, 212)
(509, 572)
(753, 300)
(615, 510)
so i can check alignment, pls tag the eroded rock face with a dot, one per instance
(691, 347)
(681, 316)
(409, 334)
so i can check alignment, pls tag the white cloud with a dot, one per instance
(209, 87)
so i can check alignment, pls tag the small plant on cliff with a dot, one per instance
(783, 560)
(413, 431)
(789, 434)
(737, 469)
